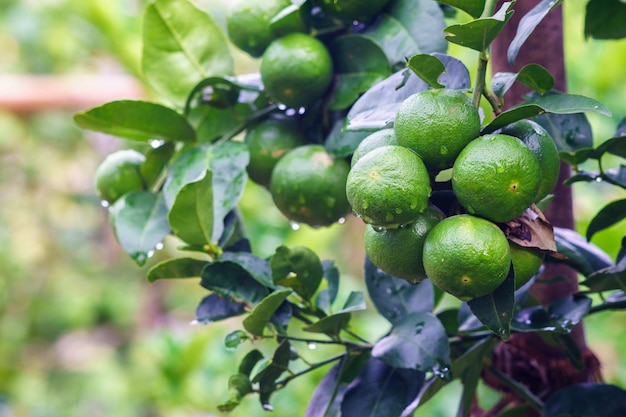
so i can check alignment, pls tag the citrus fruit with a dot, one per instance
(248, 23)
(118, 174)
(309, 186)
(466, 256)
(437, 124)
(375, 140)
(496, 176)
(388, 187)
(526, 263)
(541, 144)
(398, 252)
(352, 9)
(296, 70)
(267, 141)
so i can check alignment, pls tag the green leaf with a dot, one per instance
(181, 46)
(533, 76)
(571, 132)
(326, 295)
(250, 361)
(331, 325)
(428, 68)
(239, 386)
(156, 161)
(409, 27)
(472, 7)
(583, 256)
(191, 217)
(589, 400)
(576, 158)
(213, 308)
(268, 376)
(297, 267)
(234, 339)
(551, 103)
(418, 342)
(610, 214)
(341, 143)
(136, 120)
(139, 221)
(604, 19)
(233, 282)
(359, 63)
(617, 176)
(614, 146)
(559, 316)
(259, 269)
(258, 318)
(495, 310)
(213, 122)
(176, 268)
(395, 298)
(610, 278)
(527, 25)
(355, 302)
(478, 34)
(190, 165)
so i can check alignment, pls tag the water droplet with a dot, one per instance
(104, 203)
(294, 225)
(598, 179)
(159, 246)
(282, 107)
(194, 323)
(312, 346)
(301, 110)
(155, 143)
(443, 150)
(140, 258)
(268, 407)
(150, 254)
(378, 228)
(442, 372)
(290, 112)
(388, 290)
(341, 220)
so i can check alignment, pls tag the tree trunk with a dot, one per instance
(527, 357)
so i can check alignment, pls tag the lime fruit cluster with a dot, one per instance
(494, 179)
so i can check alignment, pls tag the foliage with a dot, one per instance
(197, 177)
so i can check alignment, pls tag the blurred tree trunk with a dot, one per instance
(528, 358)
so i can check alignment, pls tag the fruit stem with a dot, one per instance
(483, 59)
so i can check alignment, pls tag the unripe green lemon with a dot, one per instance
(309, 186)
(118, 174)
(466, 256)
(437, 124)
(398, 252)
(388, 187)
(497, 177)
(375, 140)
(541, 144)
(526, 263)
(296, 70)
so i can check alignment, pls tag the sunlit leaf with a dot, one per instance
(478, 34)
(136, 120)
(176, 268)
(428, 68)
(472, 7)
(258, 318)
(192, 216)
(156, 161)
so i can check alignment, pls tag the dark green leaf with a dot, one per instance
(604, 19)
(610, 214)
(456, 75)
(428, 68)
(359, 63)
(176, 268)
(472, 7)
(566, 343)
(230, 280)
(341, 143)
(249, 362)
(395, 298)
(533, 76)
(239, 386)
(212, 122)
(576, 158)
(258, 268)
(191, 216)
(610, 278)
(570, 132)
(140, 223)
(137, 120)
(234, 339)
(355, 302)
(268, 376)
(328, 395)
(226, 91)
(330, 325)
(258, 318)
(478, 34)
(214, 308)
(327, 295)
(418, 342)
(527, 25)
(156, 161)
(617, 176)
(177, 53)
(495, 310)
(614, 146)
(410, 27)
(583, 256)
(293, 18)
(380, 390)
(559, 316)
(588, 400)
(582, 176)
(297, 267)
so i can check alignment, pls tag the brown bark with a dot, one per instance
(527, 358)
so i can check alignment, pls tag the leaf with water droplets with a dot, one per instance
(495, 310)
(559, 316)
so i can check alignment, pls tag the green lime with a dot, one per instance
(388, 187)
(541, 144)
(437, 124)
(526, 263)
(267, 142)
(375, 140)
(398, 252)
(466, 256)
(350, 10)
(248, 23)
(118, 174)
(497, 177)
(309, 186)
(296, 70)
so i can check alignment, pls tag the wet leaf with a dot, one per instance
(191, 216)
(297, 267)
(559, 316)
(233, 282)
(533, 76)
(260, 316)
(495, 310)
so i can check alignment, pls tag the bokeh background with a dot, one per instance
(81, 330)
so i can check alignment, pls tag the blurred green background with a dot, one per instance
(81, 330)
